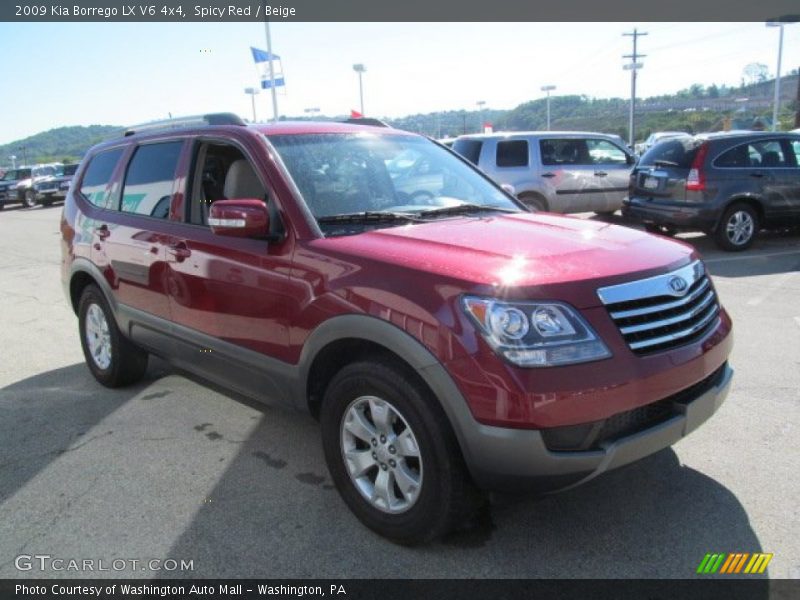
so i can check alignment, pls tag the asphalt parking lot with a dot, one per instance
(173, 469)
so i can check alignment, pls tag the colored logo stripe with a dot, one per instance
(734, 562)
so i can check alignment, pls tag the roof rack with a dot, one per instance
(192, 121)
(366, 121)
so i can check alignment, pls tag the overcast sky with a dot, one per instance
(121, 73)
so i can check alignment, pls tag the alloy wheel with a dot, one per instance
(98, 337)
(381, 454)
(740, 227)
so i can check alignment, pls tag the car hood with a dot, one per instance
(521, 255)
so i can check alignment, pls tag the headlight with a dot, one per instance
(535, 334)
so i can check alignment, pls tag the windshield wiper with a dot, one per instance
(466, 208)
(368, 217)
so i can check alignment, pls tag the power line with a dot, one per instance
(633, 66)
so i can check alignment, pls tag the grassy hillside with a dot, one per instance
(60, 144)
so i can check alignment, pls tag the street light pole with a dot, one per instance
(776, 102)
(548, 89)
(360, 69)
(252, 92)
(481, 104)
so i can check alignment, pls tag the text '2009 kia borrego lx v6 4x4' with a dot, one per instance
(449, 341)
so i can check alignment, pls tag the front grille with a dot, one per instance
(652, 316)
(594, 435)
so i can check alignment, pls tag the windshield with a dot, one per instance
(11, 175)
(70, 170)
(47, 171)
(345, 174)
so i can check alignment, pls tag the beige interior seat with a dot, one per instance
(242, 182)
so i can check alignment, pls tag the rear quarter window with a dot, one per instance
(673, 153)
(97, 176)
(469, 149)
(512, 153)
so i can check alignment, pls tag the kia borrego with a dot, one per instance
(449, 341)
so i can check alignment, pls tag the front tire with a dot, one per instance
(534, 201)
(738, 228)
(29, 199)
(111, 357)
(392, 454)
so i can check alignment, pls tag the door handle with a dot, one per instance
(600, 173)
(548, 175)
(103, 231)
(179, 250)
(757, 174)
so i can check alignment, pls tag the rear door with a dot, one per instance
(612, 169)
(765, 169)
(791, 148)
(567, 166)
(129, 239)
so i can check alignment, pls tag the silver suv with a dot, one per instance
(561, 172)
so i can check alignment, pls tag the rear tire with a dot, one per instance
(534, 201)
(738, 228)
(406, 478)
(113, 359)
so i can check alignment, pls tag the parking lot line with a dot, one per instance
(751, 256)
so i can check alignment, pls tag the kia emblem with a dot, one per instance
(678, 285)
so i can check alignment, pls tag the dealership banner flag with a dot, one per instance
(262, 60)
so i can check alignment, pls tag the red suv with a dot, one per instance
(449, 341)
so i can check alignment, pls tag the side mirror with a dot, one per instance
(509, 189)
(239, 218)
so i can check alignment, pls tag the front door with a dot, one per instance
(228, 295)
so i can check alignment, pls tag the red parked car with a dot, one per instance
(449, 341)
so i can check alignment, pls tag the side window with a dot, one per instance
(469, 149)
(150, 179)
(794, 148)
(604, 152)
(98, 174)
(763, 154)
(221, 172)
(770, 153)
(512, 153)
(564, 152)
(736, 157)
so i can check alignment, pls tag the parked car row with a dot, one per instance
(39, 184)
(728, 185)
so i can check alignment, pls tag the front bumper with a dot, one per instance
(679, 215)
(505, 459)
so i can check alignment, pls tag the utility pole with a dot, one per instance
(271, 72)
(633, 66)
